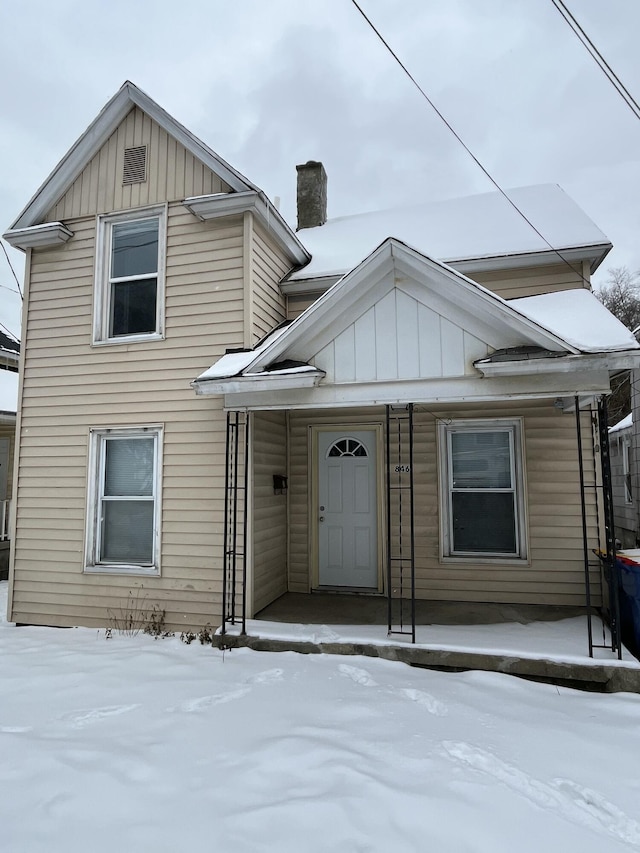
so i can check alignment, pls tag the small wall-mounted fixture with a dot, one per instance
(279, 484)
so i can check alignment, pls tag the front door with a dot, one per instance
(347, 509)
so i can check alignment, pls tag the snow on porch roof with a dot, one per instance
(469, 228)
(578, 317)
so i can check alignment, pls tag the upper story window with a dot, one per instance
(129, 290)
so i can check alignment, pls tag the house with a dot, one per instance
(216, 410)
(9, 356)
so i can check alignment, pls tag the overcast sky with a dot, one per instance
(271, 83)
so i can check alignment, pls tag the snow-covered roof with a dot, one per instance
(579, 318)
(625, 423)
(8, 391)
(234, 363)
(473, 227)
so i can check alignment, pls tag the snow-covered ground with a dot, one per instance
(132, 744)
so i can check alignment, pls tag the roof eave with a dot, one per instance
(593, 253)
(226, 204)
(50, 234)
(281, 381)
(610, 361)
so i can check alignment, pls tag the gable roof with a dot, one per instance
(347, 299)
(127, 97)
(463, 232)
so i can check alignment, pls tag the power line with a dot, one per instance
(464, 145)
(604, 66)
(11, 267)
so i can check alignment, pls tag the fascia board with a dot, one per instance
(329, 307)
(227, 204)
(97, 134)
(309, 286)
(440, 392)
(470, 296)
(595, 253)
(263, 382)
(609, 361)
(48, 234)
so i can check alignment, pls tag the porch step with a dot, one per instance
(597, 676)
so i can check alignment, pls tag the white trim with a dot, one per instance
(217, 205)
(102, 282)
(95, 481)
(260, 382)
(47, 234)
(97, 134)
(463, 389)
(515, 429)
(622, 360)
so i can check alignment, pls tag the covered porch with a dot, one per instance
(414, 437)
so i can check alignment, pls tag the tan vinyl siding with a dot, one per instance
(512, 284)
(172, 173)
(9, 431)
(269, 519)
(554, 573)
(70, 386)
(269, 267)
(297, 304)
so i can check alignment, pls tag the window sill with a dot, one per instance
(145, 571)
(128, 339)
(486, 560)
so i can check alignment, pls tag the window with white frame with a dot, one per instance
(482, 489)
(124, 500)
(129, 300)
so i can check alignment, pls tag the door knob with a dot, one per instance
(321, 518)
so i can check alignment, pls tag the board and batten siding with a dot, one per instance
(70, 386)
(269, 514)
(554, 572)
(173, 173)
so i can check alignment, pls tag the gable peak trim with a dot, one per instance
(97, 133)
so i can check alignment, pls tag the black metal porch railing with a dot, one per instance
(234, 574)
(401, 574)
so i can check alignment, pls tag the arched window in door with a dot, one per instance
(347, 447)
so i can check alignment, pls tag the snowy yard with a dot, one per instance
(131, 744)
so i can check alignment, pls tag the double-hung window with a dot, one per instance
(130, 276)
(124, 500)
(482, 489)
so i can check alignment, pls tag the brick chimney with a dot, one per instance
(312, 195)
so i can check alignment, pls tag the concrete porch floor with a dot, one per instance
(543, 643)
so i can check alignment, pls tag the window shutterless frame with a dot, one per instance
(129, 271)
(124, 501)
(482, 483)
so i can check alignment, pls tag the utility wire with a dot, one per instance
(11, 267)
(464, 145)
(604, 66)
